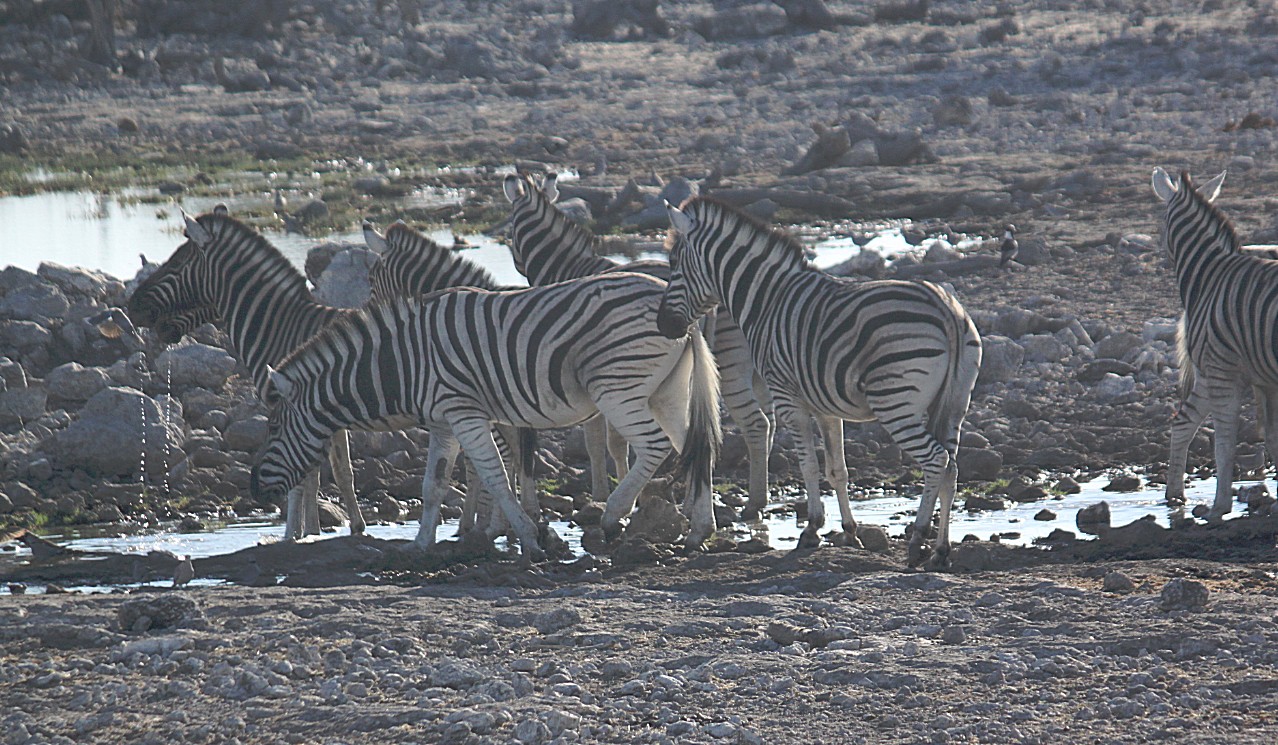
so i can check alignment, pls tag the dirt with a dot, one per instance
(1052, 123)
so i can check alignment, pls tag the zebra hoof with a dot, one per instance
(940, 560)
(611, 532)
(846, 539)
(919, 552)
(809, 539)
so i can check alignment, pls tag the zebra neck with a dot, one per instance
(265, 324)
(559, 251)
(756, 288)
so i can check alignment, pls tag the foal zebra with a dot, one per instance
(830, 349)
(458, 360)
(548, 247)
(1225, 340)
(226, 271)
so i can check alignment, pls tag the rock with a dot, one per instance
(450, 673)
(1118, 582)
(117, 416)
(954, 111)
(24, 336)
(867, 263)
(873, 538)
(1257, 499)
(1001, 359)
(1093, 519)
(1067, 485)
(953, 635)
(246, 435)
(390, 509)
(1044, 348)
(903, 149)
(13, 139)
(158, 612)
(979, 464)
(1116, 389)
(344, 281)
(1094, 372)
(656, 521)
(35, 300)
(74, 382)
(637, 551)
(556, 620)
(1160, 329)
(22, 405)
(1123, 482)
(195, 364)
(532, 732)
(1118, 346)
(981, 503)
(77, 280)
(1183, 594)
(1045, 515)
(331, 514)
(750, 21)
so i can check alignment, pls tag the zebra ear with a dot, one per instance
(513, 186)
(376, 241)
(1211, 189)
(1164, 187)
(197, 232)
(221, 210)
(282, 385)
(551, 187)
(679, 220)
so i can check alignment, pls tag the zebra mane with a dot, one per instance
(227, 230)
(778, 240)
(1226, 225)
(402, 238)
(579, 239)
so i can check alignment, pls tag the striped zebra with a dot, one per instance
(410, 264)
(1229, 296)
(458, 360)
(228, 273)
(831, 349)
(549, 247)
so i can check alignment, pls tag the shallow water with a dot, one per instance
(108, 232)
(1014, 526)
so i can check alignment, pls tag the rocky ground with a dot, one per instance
(960, 116)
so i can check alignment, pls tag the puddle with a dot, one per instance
(1015, 526)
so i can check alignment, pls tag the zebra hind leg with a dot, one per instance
(439, 461)
(595, 431)
(1225, 406)
(475, 435)
(1189, 417)
(310, 503)
(836, 472)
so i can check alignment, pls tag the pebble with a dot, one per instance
(1183, 594)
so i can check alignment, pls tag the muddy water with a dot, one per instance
(1014, 526)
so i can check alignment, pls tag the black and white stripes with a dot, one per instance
(904, 353)
(459, 360)
(1229, 328)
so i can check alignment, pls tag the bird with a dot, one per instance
(184, 573)
(113, 323)
(1007, 251)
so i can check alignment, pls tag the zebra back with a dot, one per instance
(548, 247)
(413, 264)
(227, 270)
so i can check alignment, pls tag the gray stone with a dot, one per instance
(74, 382)
(1183, 594)
(867, 263)
(556, 620)
(108, 436)
(195, 365)
(22, 405)
(1001, 359)
(1118, 346)
(37, 301)
(1160, 329)
(158, 612)
(24, 335)
(1116, 389)
(77, 280)
(246, 435)
(1044, 348)
(979, 464)
(656, 520)
(332, 515)
(451, 673)
(344, 282)
(532, 732)
(1093, 519)
(1118, 582)
(873, 538)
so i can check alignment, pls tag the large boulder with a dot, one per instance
(36, 300)
(1000, 360)
(195, 365)
(24, 335)
(22, 405)
(79, 281)
(75, 382)
(344, 282)
(108, 437)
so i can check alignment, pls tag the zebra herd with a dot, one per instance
(623, 349)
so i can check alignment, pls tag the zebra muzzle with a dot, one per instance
(670, 325)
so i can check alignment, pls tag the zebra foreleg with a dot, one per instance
(1225, 406)
(836, 472)
(339, 457)
(293, 513)
(799, 422)
(310, 503)
(619, 449)
(1189, 417)
(744, 398)
(439, 461)
(475, 435)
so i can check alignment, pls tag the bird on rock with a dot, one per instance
(1007, 251)
(184, 573)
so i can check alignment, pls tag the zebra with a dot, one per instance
(228, 273)
(408, 264)
(1221, 347)
(548, 247)
(832, 349)
(459, 359)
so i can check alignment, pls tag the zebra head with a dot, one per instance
(176, 297)
(293, 445)
(533, 217)
(1165, 188)
(689, 293)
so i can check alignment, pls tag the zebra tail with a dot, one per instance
(1186, 366)
(950, 405)
(701, 445)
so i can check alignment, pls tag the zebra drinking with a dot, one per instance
(831, 349)
(1225, 340)
(548, 247)
(228, 273)
(458, 360)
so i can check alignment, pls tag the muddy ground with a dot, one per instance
(1048, 115)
